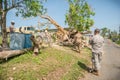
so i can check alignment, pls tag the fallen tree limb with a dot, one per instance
(62, 33)
(11, 53)
(54, 23)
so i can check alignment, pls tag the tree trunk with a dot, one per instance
(0, 16)
(11, 53)
(4, 31)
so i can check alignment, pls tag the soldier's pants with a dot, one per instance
(96, 60)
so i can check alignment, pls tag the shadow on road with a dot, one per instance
(83, 66)
(117, 67)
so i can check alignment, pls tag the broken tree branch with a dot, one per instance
(54, 23)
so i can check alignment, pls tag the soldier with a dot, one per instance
(48, 37)
(97, 45)
(12, 26)
(78, 41)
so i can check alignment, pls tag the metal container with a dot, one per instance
(28, 42)
(17, 41)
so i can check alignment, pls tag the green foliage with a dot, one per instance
(27, 8)
(104, 31)
(0, 1)
(31, 8)
(0, 40)
(114, 36)
(79, 15)
(118, 42)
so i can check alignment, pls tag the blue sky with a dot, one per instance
(107, 14)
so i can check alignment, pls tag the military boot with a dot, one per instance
(96, 72)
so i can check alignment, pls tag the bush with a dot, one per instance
(118, 42)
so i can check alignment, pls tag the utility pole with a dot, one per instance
(119, 33)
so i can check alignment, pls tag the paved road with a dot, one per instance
(110, 69)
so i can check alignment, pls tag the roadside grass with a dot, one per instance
(30, 67)
(0, 40)
(118, 42)
(77, 70)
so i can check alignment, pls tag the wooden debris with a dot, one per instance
(37, 42)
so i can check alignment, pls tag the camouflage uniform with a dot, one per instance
(97, 49)
(11, 28)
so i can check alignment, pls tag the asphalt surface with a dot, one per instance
(110, 66)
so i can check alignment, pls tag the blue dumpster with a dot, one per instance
(17, 41)
(28, 42)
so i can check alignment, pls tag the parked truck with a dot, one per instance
(24, 29)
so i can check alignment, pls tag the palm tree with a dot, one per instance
(109, 34)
